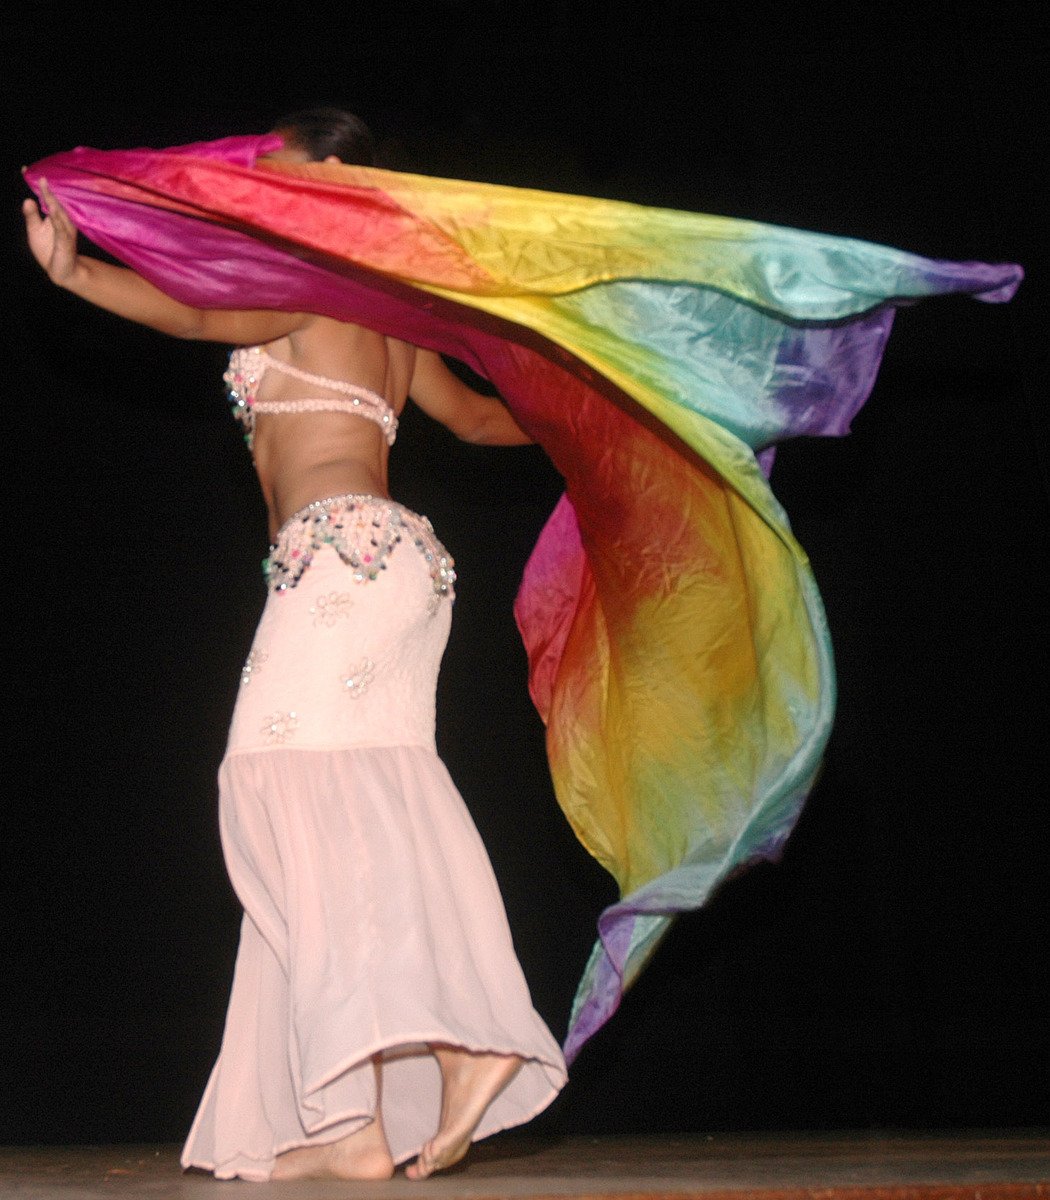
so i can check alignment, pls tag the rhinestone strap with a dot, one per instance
(363, 530)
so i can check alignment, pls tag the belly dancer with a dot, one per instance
(378, 1012)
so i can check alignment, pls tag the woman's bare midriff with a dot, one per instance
(304, 457)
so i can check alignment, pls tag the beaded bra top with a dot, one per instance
(247, 366)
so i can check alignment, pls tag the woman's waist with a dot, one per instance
(287, 490)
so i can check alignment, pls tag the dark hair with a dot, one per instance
(324, 131)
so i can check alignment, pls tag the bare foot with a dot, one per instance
(469, 1084)
(363, 1155)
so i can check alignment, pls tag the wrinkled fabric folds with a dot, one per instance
(678, 648)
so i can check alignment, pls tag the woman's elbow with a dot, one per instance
(499, 428)
(190, 326)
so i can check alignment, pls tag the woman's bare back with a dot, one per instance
(306, 456)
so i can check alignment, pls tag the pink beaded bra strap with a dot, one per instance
(247, 366)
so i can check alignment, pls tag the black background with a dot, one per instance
(893, 969)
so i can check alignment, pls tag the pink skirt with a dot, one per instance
(373, 924)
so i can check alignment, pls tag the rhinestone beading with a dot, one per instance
(242, 378)
(363, 531)
(253, 664)
(358, 677)
(326, 610)
(280, 727)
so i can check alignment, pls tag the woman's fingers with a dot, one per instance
(38, 233)
(52, 238)
(55, 211)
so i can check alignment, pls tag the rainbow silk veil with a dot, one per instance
(678, 649)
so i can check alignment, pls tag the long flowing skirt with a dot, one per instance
(372, 924)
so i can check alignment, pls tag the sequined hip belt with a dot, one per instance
(363, 530)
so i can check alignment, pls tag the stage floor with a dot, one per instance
(1012, 1165)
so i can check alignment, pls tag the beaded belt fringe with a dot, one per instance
(363, 530)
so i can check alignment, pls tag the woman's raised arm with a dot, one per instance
(471, 416)
(53, 242)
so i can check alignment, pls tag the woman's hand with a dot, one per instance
(52, 238)
(53, 241)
